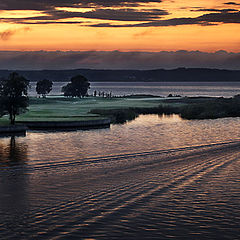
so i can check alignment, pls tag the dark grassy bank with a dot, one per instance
(187, 108)
(208, 108)
(123, 115)
(218, 108)
(117, 115)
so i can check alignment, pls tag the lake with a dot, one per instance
(215, 89)
(156, 177)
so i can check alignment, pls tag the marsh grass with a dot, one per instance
(187, 108)
(218, 108)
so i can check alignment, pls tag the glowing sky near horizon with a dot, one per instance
(106, 25)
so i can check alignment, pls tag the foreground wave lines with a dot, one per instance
(160, 194)
(94, 160)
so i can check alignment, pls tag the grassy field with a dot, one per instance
(126, 108)
(75, 109)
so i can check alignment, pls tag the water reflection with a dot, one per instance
(7, 135)
(145, 133)
(13, 184)
(153, 119)
(192, 193)
(12, 152)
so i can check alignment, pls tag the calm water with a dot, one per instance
(146, 133)
(152, 178)
(215, 89)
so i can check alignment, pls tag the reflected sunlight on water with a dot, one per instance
(156, 119)
(155, 177)
(146, 133)
(12, 153)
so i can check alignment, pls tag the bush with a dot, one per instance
(78, 87)
(117, 115)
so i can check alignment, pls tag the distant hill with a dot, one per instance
(158, 75)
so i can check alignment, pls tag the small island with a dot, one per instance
(22, 113)
(75, 109)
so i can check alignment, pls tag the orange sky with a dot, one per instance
(202, 33)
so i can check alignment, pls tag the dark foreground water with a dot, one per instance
(153, 178)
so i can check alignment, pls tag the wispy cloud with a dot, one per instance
(225, 10)
(127, 14)
(232, 3)
(7, 34)
(115, 13)
(52, 4)
(205, 20)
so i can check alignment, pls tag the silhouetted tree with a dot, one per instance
(13, 95)
(78, 87)
(44, 87)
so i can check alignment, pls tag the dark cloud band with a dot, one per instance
(206, 19)
(117, 60)
(109, 10)
(232, 3)
(51, 4)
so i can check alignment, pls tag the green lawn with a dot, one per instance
(75, 109)
(124, 108)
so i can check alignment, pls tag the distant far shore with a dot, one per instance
(156, 75)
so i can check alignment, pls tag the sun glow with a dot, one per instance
(89, 28)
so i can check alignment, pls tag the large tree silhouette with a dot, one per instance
(44, 87)
(78, 87)
(13, 95)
